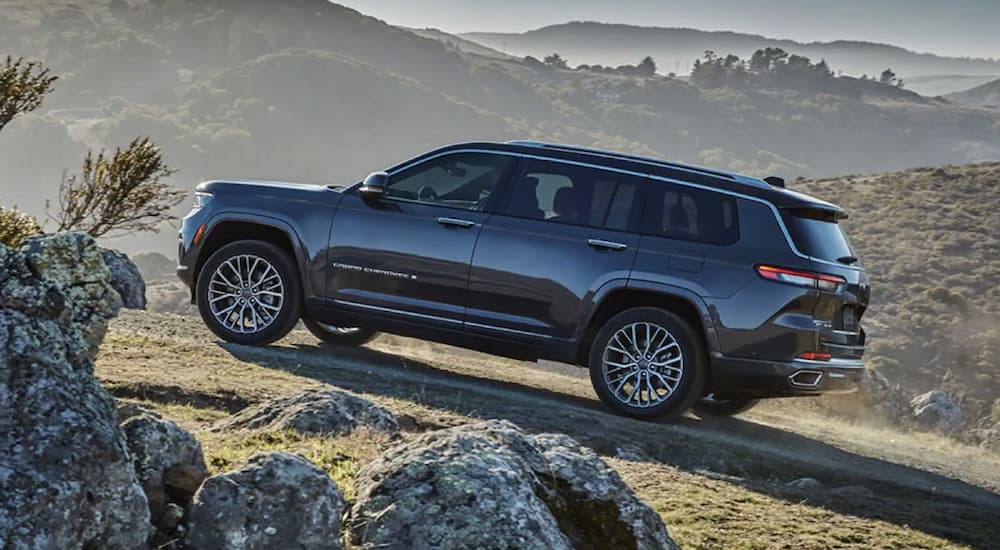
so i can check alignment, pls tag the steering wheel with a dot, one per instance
(426, 193)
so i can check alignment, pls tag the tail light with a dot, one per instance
(801, 278)
(815, 356)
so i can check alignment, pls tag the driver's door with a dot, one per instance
(407, 256)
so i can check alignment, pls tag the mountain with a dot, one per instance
(944, 84)
(313, 91)
(986, 95)
(460, 43)
(928, 238)
(675, 49)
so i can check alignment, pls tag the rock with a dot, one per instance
(278, 500)
(127, 409)
(167, 459)
(153, 265)
(630, 453)
(125, 278)
(989, 438)
(171, 517)
(935, 409)
(65, 476)
(315, 412)
(490, 485)
(804, 484)
(881, 395)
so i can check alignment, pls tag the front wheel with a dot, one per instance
(647, 362)
(248, 293)
(340, 336)
(711, 406)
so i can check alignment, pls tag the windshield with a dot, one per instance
(817, 234)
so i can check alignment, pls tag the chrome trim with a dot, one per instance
(842, 346)
(456, 222)
(395, 311)
(846, 332)
(774, 209)
(608, 245)
(815, 383)
(832, 363)
(510, 330)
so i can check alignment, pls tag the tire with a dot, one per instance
(724, 407)
(340, 336)
(687, 374)
(265, 316)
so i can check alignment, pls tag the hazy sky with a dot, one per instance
(947, 27)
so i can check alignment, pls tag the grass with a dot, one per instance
(157, 360)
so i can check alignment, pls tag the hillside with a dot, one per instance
(929, 239)
(310, 90)
(676, 48)
(986, 96)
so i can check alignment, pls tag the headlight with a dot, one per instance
(201, 198)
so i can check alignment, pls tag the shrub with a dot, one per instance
(23, 85)
(15, 226)
(122, 193)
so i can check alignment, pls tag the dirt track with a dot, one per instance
(907, 479)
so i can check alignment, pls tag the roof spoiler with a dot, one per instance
(775, 181)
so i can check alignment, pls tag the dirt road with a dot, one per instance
(918, 481)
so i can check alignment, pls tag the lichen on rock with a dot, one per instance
(490, 485)
(315, 412)
(65, 474)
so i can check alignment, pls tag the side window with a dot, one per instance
(462, 180)
(574, 195)
(691, 214)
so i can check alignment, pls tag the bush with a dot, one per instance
(124, 193)
(23, 85)
(15, 226)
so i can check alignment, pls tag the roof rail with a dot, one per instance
(636, 158)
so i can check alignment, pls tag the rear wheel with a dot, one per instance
(340, 336)
(248, 293)
(711, 406)
(647, 362)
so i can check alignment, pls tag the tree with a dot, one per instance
(647, 67)
(23, 86)
(123, 193)
(555, 61)
(887, 77)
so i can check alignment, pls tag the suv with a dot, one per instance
(675, 285)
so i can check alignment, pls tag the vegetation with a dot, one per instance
(928, 238)
(23, 85)
(16, 226)
(124, 192)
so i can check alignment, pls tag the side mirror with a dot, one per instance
(373, 187)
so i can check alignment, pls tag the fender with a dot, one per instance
(280, 223)
(704, 311)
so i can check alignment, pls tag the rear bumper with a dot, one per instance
(733, 377)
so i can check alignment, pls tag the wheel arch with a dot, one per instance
(226, 229)
(682, 302)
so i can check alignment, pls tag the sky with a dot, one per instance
(945, 27)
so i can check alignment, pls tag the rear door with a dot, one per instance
(408, 254)
(566, 231)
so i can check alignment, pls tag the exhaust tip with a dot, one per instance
(806, 378)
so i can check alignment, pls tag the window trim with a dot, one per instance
(500, 188)
(650, 204)
(635, 215)
(774, 209)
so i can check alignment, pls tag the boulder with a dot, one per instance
(490, 485)
(314, 412)
(126, 279)
(881, 395)
(278, 500)
(65, 477)
(168, 463)
(936, 410)
(804, 484)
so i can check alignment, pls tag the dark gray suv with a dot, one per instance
(675, 285)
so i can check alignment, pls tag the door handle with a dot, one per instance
(456, 222)
(606, 245)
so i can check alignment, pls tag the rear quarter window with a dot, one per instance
(690, 214)
(816, 233)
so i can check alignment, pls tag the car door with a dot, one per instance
(566, 231)
(407, 255)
